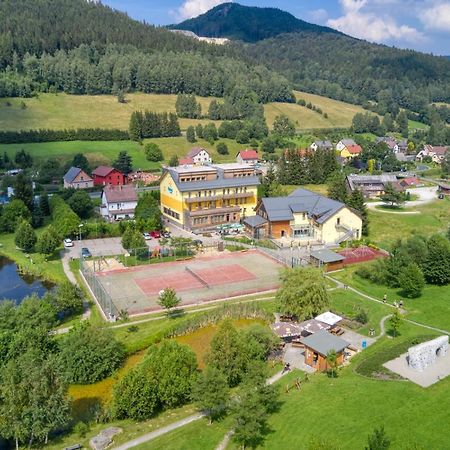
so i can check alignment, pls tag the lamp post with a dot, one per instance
(79, 231)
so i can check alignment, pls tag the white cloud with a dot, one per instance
(318, 15)
(193, 8)
(360, 21)
(437, 17)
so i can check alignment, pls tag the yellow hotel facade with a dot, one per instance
(203, 197)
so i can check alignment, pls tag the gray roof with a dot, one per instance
(323, 143)
(323, 342)
(255, 221)
(318, 207)
(71, 174)
(219, 182)
(326, 256)
(348, 142)
(355, 181)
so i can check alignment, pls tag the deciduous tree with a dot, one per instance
(168, 299)
(25, 237)
(411, 281)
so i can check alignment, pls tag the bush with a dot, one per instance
(222, 148)
(153, 152)
(411, 281)
(90, 354)
(362, 316)
(374, 272)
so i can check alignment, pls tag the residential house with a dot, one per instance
(371, 185)
(389, 141)
(304, 215)
(403, 157)
(351, 151)
(204, 197)
(118, 202)
(444, 189)
(199, 156)
(327, 259)
(410, 182)
(324, 145)
(319, 345)
(343, 143)
(247, 156)
(105, 175)
(77, 178)
(435, 152)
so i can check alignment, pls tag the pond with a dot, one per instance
(16, 286)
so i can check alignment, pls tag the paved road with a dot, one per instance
(425, 195)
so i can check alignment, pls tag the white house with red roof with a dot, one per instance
(436, 152)
(247, 156)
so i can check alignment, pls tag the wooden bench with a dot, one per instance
(74, 447)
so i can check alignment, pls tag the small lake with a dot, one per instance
(15, 286)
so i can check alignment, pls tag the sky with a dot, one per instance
(419, 24)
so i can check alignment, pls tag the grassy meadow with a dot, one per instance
(385, 227)
(104, 152)
(59, 111)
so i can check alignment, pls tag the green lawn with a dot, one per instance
(342, 412)
(414, 125)
(50, 269)
(385, 228)
(60, 111)
(432, 308)
(104, 152)
(349, 304)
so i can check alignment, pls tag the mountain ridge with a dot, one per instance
(247, 23)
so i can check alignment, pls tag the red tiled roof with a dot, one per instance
(439, 150)
(125, 193)
(354, 149)
(185, 161)
(249, 154)
(410, 181)
(102, 171)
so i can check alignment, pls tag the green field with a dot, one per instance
(340, 114)
(59, 111)
(101, 152)
(386, 228)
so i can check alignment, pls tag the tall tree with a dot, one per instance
(303, 293)
(436, 267)
(25, 237)
(411, 281)
(190, 134)
(124, 162)
(23, 190)
(356, 201)
(168, 299)
(80, 161)
(337, 188)
(48, 241)
(392, 196)
(402, 123)
(283, 126)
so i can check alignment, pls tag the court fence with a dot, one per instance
(104, 299)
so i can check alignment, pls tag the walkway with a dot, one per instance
(368, 297)
(425, 195)
(181, 423)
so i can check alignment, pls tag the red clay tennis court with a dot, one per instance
(361, 254)
(197, 280)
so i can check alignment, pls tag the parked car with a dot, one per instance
(166, 234)
(197, 242)
(155, 234)
(85, 253)
(147, 236)
(68, 243)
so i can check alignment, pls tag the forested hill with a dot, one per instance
(248, 24)
(37, 26)
(82, 47)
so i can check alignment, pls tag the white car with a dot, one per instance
(147, 236)
(68, 243)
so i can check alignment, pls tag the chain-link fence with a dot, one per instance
(103, 298)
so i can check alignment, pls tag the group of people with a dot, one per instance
(396, 304)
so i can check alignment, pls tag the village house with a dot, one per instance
(77, 178)
(389, 141)
(304, 215)
(118, 202)
(372, 186)
(351, 151)
(105, 175)
(198, 156)
(204, 197)
(343, 143)
(324, 145)
(435, 152)
(248, 156)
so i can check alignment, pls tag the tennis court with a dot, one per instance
(198, 280)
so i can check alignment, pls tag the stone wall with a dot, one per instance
(423, 355)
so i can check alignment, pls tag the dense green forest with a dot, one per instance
(332, 64)
(84, 48)
(249, 24)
